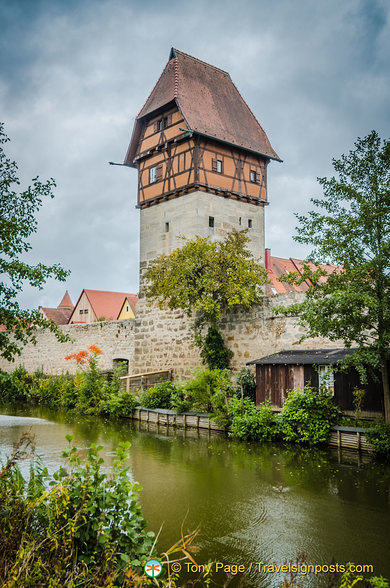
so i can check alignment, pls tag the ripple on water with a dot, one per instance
(18, 421)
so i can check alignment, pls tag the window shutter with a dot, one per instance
(156, 125)
(169, 120)
(258, 177)
(158, 173)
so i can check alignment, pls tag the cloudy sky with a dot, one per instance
(75, 74)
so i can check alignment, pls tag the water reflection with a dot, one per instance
(337, 506)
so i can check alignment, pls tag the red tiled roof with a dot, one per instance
(107, 304)
(279, 266)
(210, 103)
(66, 301)
(59, 315)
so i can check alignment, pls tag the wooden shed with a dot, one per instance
(277, 373)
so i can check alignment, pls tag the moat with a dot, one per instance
(332, 508)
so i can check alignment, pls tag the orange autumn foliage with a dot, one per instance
(84, 357)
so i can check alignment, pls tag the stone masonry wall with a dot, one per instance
(163, 338)
(115, 338)
(159, 339)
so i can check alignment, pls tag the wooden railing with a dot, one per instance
(145, 380)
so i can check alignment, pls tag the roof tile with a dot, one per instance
(209, 102)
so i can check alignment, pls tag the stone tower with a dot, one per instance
(202, 160)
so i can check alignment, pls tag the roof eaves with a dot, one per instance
(234, 144)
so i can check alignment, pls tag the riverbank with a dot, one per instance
(230, 490)
(352, 438)
(308, 417)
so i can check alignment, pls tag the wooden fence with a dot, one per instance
(145, 380)
(341, 437)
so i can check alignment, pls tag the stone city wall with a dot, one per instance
(160, 339)
(115, 338)
(163, 338)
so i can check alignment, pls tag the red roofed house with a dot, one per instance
(97, 305)
(61, 314)
(202, 160)
(276, 266)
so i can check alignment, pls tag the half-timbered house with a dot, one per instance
(202, 160)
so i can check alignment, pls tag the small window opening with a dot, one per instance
(326, 378)
(253, 176)
(249, 223)
(239, 221)
(217, 165)
(152, 175)
(127, 309)
(86, 311)
(211, 221)
(81, 311)
(167, 227)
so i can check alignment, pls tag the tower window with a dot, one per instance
(162, 123)
(249, 223)
(211, 222)
(152, 175)
(167, 227)
(155, 174)
(254, 176)
(239, 221)
(217, 165)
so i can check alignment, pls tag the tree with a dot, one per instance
(205, 279)
(351, 229)
(17, 224)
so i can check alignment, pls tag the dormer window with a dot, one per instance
(162, 123)
(217, 165)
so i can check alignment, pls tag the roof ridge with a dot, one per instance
(200, 61)
(176, 67)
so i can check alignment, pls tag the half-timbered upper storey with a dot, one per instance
(195, 132)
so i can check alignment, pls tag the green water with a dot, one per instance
(335, 507)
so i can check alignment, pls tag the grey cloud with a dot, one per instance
(74, 75)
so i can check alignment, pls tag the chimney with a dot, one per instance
(267, 259)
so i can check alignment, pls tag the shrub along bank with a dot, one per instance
(306, 418)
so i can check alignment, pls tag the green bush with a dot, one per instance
(246, 384)
(180, 401)
(350, 578)
(83, 528)
(209, 389)
(214, 352)
(158, 396)
(307, 416)
(120, 405)
(378, 435)
(36, 388)
(250, 422)
(12, 385)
